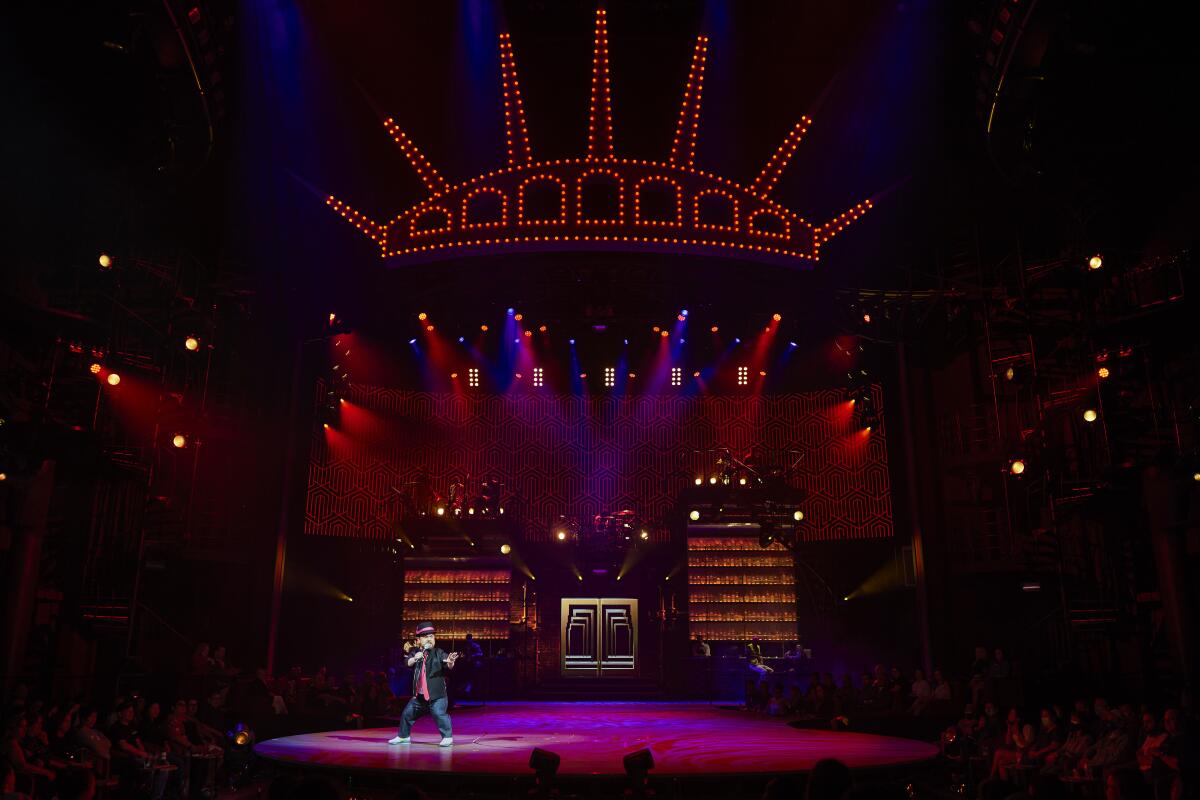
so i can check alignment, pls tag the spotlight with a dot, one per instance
(179, 440)
(412, 341)
(422, 316)
(95, 369)
(798, 516)
(1095, 262)
(518, 317)
(693, 515)
(683, 313)
(561, 536)
(542, 328)
(1017, 467)
(696, 374)
(1090, 415)
(462, 339)
(113, 379)
(867, 318)
(663, 334)
(570, 341)
(777, 317)
(441, 511)
(429, 328)
(191, 343)
(645, 535)
(741, 481)
(106, 261)
(471, 510)
(656, 329)
(681, 317)
(453, 376)
(3, 476)
(699, 481)
(1009, 374)
(1196, 476)
(505, 548)
(1103, 372)
(714, 329)
(528, 334)
(483, 328)
(713, 480)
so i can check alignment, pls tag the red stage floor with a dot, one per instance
(687, 739)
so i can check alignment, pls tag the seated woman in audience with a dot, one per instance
(11, 750)
(90, 739)
(36, 742)
(1018, 738)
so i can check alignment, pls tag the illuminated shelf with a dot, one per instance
(738, 590)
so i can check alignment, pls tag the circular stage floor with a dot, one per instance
(687, 739)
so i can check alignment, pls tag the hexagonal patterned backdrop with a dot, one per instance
(579, 456)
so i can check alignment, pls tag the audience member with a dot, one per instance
(829, 780)
(88, 737)
(8, 782)
(11, 750)
(921, 693)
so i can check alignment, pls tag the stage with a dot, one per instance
(687, 740)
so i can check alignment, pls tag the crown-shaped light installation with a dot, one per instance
(601, 201)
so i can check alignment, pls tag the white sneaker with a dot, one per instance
(398, 740)
(446, 741)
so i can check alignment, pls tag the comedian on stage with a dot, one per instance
(429, 665)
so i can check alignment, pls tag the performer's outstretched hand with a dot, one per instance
(450, 659)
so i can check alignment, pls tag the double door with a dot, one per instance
(599, 636)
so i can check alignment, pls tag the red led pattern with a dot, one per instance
(746, 222)
(582, 456)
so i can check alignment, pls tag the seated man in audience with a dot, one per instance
(1079, 741)
(1047, 741)
(700, 648)
(128, 752)
(1115, 748)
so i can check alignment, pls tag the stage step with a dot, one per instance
(598, 689)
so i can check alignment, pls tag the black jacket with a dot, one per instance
(435, 676)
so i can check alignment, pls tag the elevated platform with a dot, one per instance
(687, 740)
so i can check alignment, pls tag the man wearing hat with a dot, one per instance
(429, 665)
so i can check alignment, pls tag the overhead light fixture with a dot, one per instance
(1090, 415)
(693, 515)
(798, 515)
(1017, 467)
(191, 343)
(106, 261)
(1103, 372)
(505, 548)
(113, 379)
(1095, 262)
(179, 440)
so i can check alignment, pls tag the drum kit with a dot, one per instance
(482, 497)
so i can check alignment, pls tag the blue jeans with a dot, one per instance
(419, 707)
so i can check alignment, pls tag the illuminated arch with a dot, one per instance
(637, 202)
(755, 227)
(522, 203)
(611, 177)
(720, 198)
(444, 222)
(467, 215)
